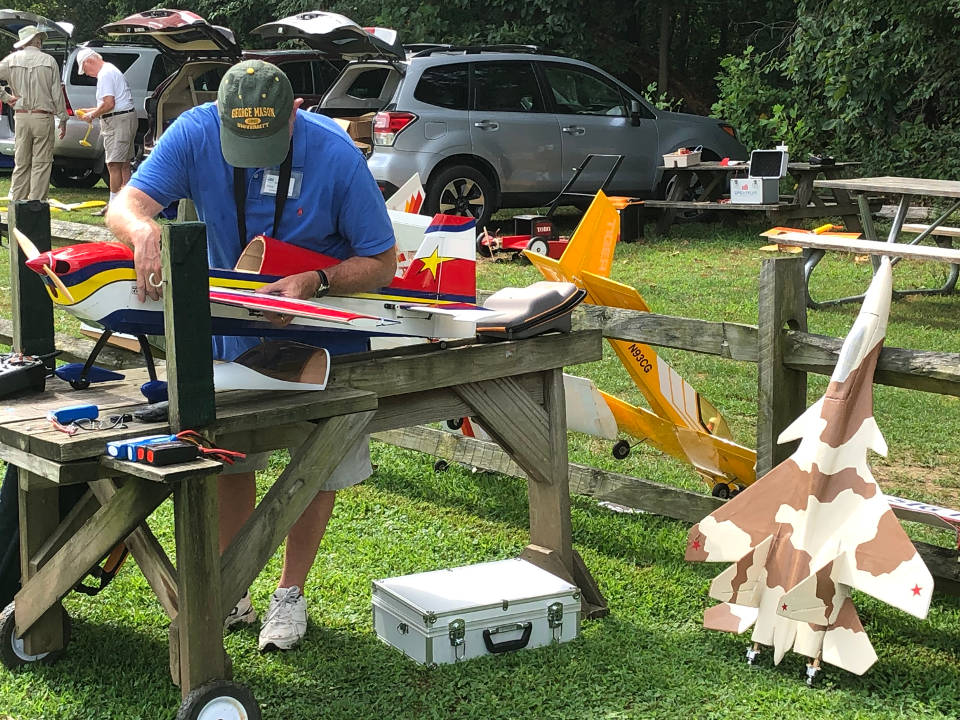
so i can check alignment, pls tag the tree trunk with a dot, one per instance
(666, 27)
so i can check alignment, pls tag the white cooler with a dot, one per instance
(445, 616)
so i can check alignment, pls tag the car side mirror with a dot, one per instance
(634, 112)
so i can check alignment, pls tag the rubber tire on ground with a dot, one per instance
(73, 177)
(721, 490)
(12, 655)
(621, 450)
(441, 466)
(455, 423)
(219, 700)
(483, 250)
(457, 188)
(539, 246)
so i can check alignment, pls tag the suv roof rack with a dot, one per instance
(427, 49)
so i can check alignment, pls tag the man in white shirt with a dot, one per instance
(118, 118)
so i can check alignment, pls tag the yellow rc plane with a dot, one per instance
(680, 422)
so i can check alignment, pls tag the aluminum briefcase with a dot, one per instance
(445, 616)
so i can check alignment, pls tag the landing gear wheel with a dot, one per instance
(80, 384)
(621, 450)
(219, 700)
(753, 654)
(455, 424)
(721, 490)
(538, 245)
(483, 250)
(441, 466)
(12, 652)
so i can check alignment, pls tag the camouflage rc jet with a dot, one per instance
(817, 525)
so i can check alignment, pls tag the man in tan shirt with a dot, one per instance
(34, 78)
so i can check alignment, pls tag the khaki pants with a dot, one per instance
(32, 156)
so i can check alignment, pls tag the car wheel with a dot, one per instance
(691, 193)
(461, 190)
(73, 177)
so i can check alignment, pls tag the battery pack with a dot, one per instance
(167, 453)
(74, 412)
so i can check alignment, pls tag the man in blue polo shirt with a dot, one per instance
(251, 141)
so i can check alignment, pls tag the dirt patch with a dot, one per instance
(937, 485)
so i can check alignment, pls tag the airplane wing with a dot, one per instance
(743, 522)
(465, 312)
(291, 306)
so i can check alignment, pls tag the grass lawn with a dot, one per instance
(651, 658)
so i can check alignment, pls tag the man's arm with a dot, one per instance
(130, 217)
(59, 103)
(106, 105)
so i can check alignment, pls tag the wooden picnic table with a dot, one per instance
(905, 190)
(715, 178)
(514, 388)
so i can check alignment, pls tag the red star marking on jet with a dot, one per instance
(696, 544)
(917, 589)
(783, 607)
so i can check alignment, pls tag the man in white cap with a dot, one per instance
(118, 120)
(37, 96)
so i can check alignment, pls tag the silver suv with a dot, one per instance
(507, 126)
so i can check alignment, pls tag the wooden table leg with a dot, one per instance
(199, 625)
(39, 517)
(676, 193)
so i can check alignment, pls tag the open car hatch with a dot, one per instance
(334, 35)
(11, 21)
(179, 33)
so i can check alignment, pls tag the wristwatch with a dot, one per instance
(324, 287)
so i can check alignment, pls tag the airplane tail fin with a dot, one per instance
(444, 266)
(409, 197)
(591, 246)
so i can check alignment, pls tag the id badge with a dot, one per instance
(271, 178)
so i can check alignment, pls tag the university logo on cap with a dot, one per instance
(255, 101)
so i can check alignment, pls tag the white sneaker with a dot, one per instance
(285, 623)
(243, 613)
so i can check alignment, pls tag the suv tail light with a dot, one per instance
(387, 125)
(67, 101)
(729, 130)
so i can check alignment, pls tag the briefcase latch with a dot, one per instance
(555, 619)
(457, 629)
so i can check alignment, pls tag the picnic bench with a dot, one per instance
(515, 389)
(714, 179)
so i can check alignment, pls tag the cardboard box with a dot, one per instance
(755, 191)
(445, 616)
(678, 160)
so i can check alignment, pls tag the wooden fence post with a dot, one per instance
(186, 319)
(782, 393)
(32, 307)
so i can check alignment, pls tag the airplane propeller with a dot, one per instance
(31, 252)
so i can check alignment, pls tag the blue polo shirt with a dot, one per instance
(339, 210)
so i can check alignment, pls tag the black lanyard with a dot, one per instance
(240, 195)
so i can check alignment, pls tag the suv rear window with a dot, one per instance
(369, 84)
(123, 61)
(509, 86)
(444, 86)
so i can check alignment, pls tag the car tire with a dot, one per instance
(461, 190)
(690, 194)
(73, 177)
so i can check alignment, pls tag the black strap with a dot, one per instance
(240, 195)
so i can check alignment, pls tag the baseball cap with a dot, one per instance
(83, 55)
(255, 100)
(28, 33)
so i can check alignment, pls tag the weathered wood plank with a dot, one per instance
(73, 521)
(889, 185)
(147, 551)
(31, 306)
(388, 376)
(781, 392)
(59, 473)
(517, 423)
(200, 620)
(823, 242)
(110, 524)
(163, 474)
(706, 205)
(285, 501)
(186, 320)
(39, 514)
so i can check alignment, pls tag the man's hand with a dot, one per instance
(63, 130)
(85, 114)
(300, 286)
(13, 100)
(145, 238)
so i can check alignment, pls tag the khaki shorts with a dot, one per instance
(354, 468)
(118, 133)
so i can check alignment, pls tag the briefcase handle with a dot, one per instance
(508, 645)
